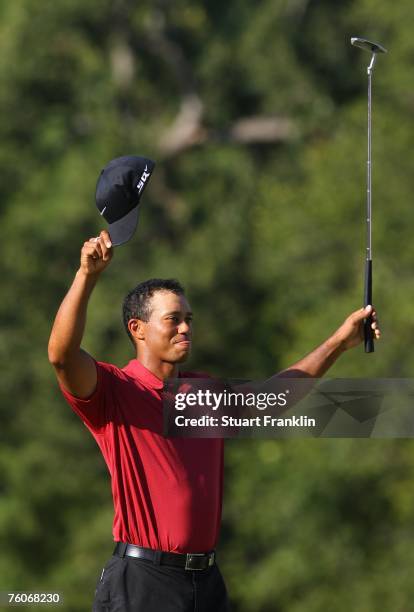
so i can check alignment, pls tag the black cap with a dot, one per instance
(118, 191)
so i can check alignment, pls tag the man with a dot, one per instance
(167, 492)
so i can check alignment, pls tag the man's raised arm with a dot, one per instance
(348, 335)
(74, 367)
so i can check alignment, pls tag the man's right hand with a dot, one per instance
(96, 254)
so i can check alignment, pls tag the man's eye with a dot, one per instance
(177, 319)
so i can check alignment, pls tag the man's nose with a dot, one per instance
(183, 327)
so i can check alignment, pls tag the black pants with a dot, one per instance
(136, 585)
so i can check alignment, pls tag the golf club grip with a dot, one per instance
(368, 332)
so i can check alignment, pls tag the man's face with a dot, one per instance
(167, 334)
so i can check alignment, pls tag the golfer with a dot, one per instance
(167, 493)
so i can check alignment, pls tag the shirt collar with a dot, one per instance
(135, 369)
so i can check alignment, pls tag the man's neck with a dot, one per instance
(160, 369)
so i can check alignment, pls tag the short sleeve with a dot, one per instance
(96, 411)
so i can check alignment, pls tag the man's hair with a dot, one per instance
(137, 304)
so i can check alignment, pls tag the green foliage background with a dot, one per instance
(268, 240)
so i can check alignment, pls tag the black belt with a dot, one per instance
(189, 561)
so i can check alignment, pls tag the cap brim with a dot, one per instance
(123, 229)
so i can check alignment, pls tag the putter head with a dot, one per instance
(363, 43)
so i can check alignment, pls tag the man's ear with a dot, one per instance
(137, 328)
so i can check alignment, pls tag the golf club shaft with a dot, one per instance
(368, 332)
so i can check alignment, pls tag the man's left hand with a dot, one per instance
(351, 332)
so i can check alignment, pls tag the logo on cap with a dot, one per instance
(143, 179)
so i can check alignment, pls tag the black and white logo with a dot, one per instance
(143, 179)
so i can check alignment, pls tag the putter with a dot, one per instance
(373, 48)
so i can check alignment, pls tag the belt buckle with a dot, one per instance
(192, 556)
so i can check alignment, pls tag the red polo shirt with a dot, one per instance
(167, 492)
